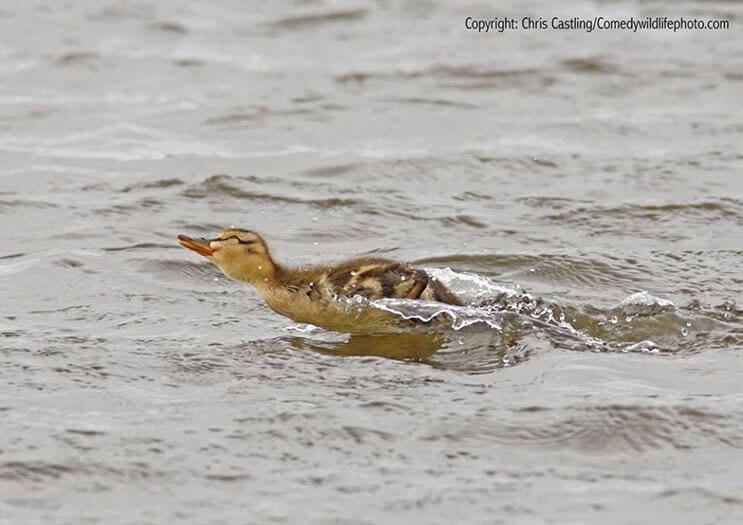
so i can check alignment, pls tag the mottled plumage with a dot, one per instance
(321, 295)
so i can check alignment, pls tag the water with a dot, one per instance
(583, 191)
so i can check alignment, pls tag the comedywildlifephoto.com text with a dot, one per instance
(600, 23)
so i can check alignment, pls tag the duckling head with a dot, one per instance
(240, 254)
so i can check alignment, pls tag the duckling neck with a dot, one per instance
(285, 293)
(268, 276)
(260, 273)
(277, 279)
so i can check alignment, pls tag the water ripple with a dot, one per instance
(220, 186)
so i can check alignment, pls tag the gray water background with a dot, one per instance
(139, 386)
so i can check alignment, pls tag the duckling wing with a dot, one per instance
(375, 280)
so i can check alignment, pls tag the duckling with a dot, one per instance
(324, 296)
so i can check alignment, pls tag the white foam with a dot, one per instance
(644, 298)
(427, 311)
(471, 287)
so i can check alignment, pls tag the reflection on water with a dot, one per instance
(414, 347)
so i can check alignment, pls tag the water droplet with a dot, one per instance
(684, 332)
(315, 219)
(460, 341)
(216, 279)
(314, 243)
(353, 273)
(614, 320)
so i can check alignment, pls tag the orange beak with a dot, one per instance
(200, 246)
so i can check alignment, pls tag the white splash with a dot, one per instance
(427, 311)
(470, 287)
(302, 328)
(644, 298)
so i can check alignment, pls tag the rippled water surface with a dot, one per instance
(583, 192)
